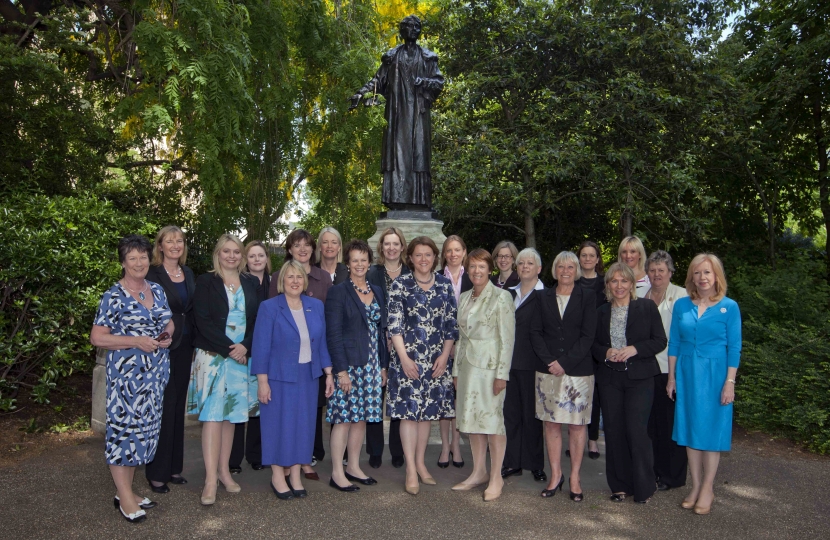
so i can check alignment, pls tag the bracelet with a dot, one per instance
(731, 380)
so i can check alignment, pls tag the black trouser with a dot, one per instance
(670, 460)
(593, 427)
(525, 439)
(626, 407)
(169, 458)
(374, 436)
(249, 445)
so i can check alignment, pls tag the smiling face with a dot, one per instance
(504, 260)
(256, 259)
(659, 275)
(479, 272)
(293, 283)
(704, 278)
(423, 260)
(565, 272)
(136, 264)
(528, 269)
(329, 246)
(454, 254)
(630, 256)
(229, 256)
(172, 247)
(588, 259)
(301, 251)
(358, 264)
(620, 287)
(392, 248)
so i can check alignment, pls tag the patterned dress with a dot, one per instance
(220, 387)
(135, 379)
(364, 401)
(425, 319)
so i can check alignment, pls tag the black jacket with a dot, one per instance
(643, 329)
(347, 328)
(182, 313)
(512, 281)
(597, 285)
(567, 339)
(524, 357)
(210, 312)
(341, 273)
(377, 276)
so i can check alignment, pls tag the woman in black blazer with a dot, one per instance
(168, 270)
(525, 442)
(225, 305)
(329, 255)
(355, 334)
(629, 335)
(562, 333)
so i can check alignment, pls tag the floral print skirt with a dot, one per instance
(565, 399)
(477, 409)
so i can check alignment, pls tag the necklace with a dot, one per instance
(358, 289)
(178, 273)
(141, 292)
(427, 282)
(657, 299)
(395, 271)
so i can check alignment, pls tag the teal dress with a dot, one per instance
(705, 348)
(220, 387)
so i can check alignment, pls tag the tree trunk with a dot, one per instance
(627, 218)
(823, 187)
(530, 207)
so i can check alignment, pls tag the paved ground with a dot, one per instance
(68, 494)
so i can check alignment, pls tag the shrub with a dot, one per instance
(57, 256)
(784, 378)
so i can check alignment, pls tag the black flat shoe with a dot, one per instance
(347, 489)
(138, 517)
(397, 461)
(257, 466)
(507, 471)
(540, 476)
(617, 497)
(145, 504)
(284, 496)
(593, 455)
(455, 463)
(178, 480)
(299, 493)
(368, 481)
(158, 489)
(551, 492)
(236, 470)
(375, 462)
(662, 486)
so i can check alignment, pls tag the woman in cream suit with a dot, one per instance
(486, 325)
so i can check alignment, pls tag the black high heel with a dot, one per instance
(551, 492)
(158, 489)
(575, 497)
(444, 464)
(455, 463)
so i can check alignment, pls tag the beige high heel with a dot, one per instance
(490, 496)
(687, 505)
(209, 500)
(232, 488)
(467, 487)
(428, 480)
(413, 490)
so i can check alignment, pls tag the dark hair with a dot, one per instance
(133, 242)
(357, 245)
(588, 243)
(295, 236)
(479, 254)
(421, 241)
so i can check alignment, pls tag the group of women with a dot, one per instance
(482, 347)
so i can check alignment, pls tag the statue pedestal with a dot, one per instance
(98, 419)
(412, 224)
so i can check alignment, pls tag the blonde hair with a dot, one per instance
(568, 256)
(717, 268)
(318, 252)
(259, 244)
(158, 256)
(638, 245)
(627, 273)
(445, 247)
(509, 245)
(224, 239)
(381, 259)
(291, 263)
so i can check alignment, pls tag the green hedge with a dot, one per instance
(57, 256)
(784, 379)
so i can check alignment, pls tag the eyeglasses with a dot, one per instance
(504, 257)
(615, 365)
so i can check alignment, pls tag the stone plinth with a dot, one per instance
(98, 419)
(411, 228)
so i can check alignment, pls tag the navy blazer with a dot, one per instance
(182, 313)
(210, 312)
(524, 357)
(643, 329)
(567, 339)
(347, 327)
(276, 346)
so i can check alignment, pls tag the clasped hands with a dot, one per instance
(410, 368)
(620, 355)
(239, 353)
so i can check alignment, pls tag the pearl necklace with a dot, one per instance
(358, 289)
(398, 269)
(178, 273)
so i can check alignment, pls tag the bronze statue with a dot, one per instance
(410, 81)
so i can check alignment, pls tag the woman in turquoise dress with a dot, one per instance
(225, 305)
(704, 353)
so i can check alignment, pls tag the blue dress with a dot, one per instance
(135, 379)
(425, 319)
(220, 387)
(705, 347)
(364, 402)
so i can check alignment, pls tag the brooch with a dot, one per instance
(723, 310)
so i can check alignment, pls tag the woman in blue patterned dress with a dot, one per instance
(225, 305)
(422, 324)
(134, 323)
(704, 353)
(355, 329)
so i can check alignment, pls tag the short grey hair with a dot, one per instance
(566, 256)
(658, 257)
(529, 252)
